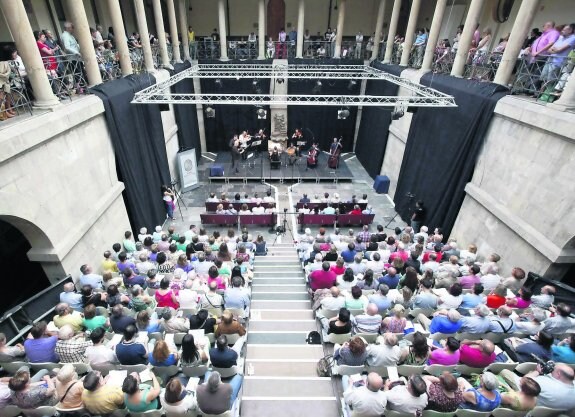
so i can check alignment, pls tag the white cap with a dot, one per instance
(158, 229)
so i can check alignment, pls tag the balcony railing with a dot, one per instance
(67, 75)
(15, 96)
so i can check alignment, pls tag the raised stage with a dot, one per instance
(258, 168)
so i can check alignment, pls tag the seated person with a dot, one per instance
(497, 297)
(523, 300)
(99, 397)
(521, 350)
(365, 397)
(561, 322)
(92, 321)
(443, 392)
(484, 398)
(453, 299)
(523, 400)
(478, 322)
(68, 388)
(275, 160)
(449, 355)
(216, 397)
(147, 323)
(357, 301)
(417, 353)
(409, 398)
(385, 351)
(202, 320)
(66, 316)
(177, 400)
(347, 280)
(162, 355)
(118, 320)
(115, 297)
(139, 397)
(340, 324)
(352, 353)
(564, 351)
(10, 353)
(546, 299)
(40, 345)
(443, 321)
(228, 325)
(391, 279)
(223, 356)
(192, 354)
(99, 353)
(531, 322)
(477, 353)
(141, 301)
(172, 323)
(32, 392)
(502, 323)
(395, 323)
(474, 299)
(370, 322)
(323, 278)
(129, 351)
(71, 348)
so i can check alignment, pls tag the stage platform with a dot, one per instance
(258, 168)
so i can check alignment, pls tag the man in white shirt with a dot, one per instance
(268, 198)
(384, 352)
(407, 398)
(490, 281)
(545, 299)
(335, 302)
(358, 45)
(365, 399)
(258, 209)
(561, 322)
(376, 264)
(69, 42)
(144, 265)
(431, 264)
(99, 353)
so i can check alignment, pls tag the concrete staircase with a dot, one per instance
(284, 381)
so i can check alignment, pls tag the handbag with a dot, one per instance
(324, 366)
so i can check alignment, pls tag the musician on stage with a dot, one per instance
(313, 156)
(275, 160)
(334, 153)
(244, 143)
(295, 138)
(262, 136)
(236, 152)
(335, 146)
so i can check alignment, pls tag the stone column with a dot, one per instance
(159, 19)
(262, 29)
(567, 100)
(410, 32)
(144, 35)
(84, 38)
(378, 29)
(21, 30)
(340, 22)
(183, 12)
(300, 29)
(223, 30)
(433, 35)
(519, 32)
(392, 31)
(473, 15)
(174, 31)
(120, 41)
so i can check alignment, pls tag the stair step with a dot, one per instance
(296, 296)
(287, 326)
(286, 388)
(273, 352)
(257, 281)
(258, 406)
(282, 314)
(287, 368)
(284, 305)
(283, 288)
(281, 338)
(268, 273)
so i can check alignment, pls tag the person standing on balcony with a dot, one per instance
(558, 54)
(46, 53)
(192, 42)
(358, 45)
(69, 42)
(419, 46)
(282, 36)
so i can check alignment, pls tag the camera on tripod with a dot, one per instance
(174, 182)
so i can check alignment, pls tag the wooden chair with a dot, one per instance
(232, 338)
(178, 337)
(380, 370)
(194, 371)
(156, 335)
(102, 311)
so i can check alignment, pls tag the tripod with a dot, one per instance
(281, 230)
(411, 197)
(178, 196)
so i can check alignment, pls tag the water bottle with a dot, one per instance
(250, 369)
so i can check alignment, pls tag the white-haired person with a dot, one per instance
(215, 396)
(10, 353)
(69, 388)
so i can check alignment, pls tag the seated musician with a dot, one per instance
(245, 139)
(292, 153)
(275, 158)
(293, 141)
(312, 156)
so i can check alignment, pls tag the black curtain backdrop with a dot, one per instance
(375, 121)
(320, 123)
(442, 148)
(186, 114)
(138, 139)
(232, 119)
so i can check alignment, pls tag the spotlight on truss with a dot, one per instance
(280, 80)
(317, 87)
(210, 112)
(398, 112)
(262, 114)
(256, 86)
(219, 84)
(343, 114)
(351, 85)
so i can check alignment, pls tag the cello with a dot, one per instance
(312, 157)
(333, 161)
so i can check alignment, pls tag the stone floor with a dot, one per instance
(287, 195)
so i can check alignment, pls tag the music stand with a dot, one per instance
(256, 144)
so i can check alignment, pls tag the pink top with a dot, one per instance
(166, 300)
(442, 357)
(321, 279)
(542, 41)
(474, 357)
(521, 303)
(219, 280)
(468, 281)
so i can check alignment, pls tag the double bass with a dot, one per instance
(312, 157)
(335, 152)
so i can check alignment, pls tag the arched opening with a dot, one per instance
(27, 278)
(275, 18)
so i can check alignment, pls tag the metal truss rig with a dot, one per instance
(413, 95)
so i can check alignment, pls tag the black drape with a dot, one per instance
(374, 126)
(231, 119)
(138, 139)
(320, 123)
(186, 114)
(442, 148)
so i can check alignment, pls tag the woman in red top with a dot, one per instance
(166, 297)
(497, 297)
(47, 54)
(356, 210)
(339, 267)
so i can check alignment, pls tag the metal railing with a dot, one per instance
(66, 74)
(16, 101)
(539, 76)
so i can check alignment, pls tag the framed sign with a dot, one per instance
(188, 170)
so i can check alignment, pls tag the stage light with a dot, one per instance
(262, 114)
(280, 80)
(210, 112)
(343, 114)
(219, 84)
(317, 87)
(256, 86)
(398, 111)
(351, 85)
